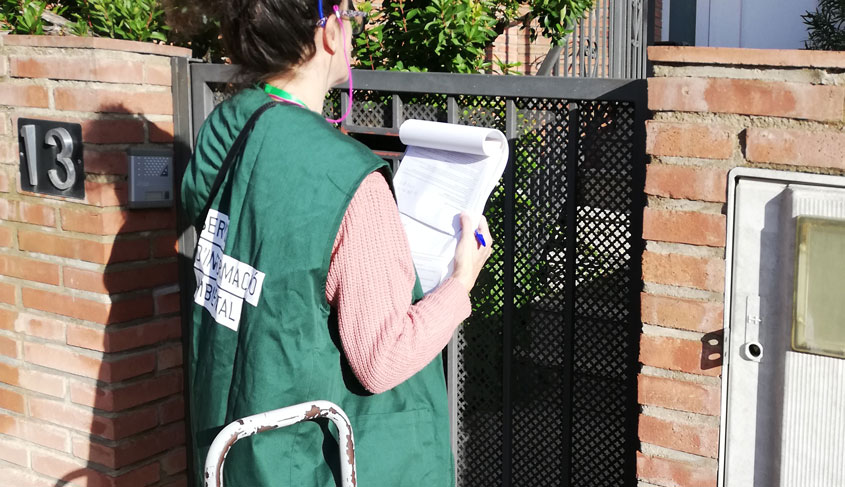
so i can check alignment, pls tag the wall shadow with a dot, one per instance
(138, 436)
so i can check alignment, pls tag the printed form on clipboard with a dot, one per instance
(447, 169)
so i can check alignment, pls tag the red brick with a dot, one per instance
(796, 147)
(682, 270)
(688, 140)
(7, 293)
(146, 475)
(124, 424)
(131, 451)
(747, 97)
(9, 374)
(84, 309)
(112, 427)
(106, 194)
(38, 326)
(687, 227)
(97, 43)
(169, 357)
(42, 382)
(8, 152)
(21, 211)
(180, 481)
(8, 346)
(111, 340)
(171, 411)
(46, 435)
(690, 438)
(11, 401)
(4, 182)
(157, 75)
(91, 99)
(166, 303)
(122, 281)
(673, 473)
(88, 68)
(161, 132)
(675, 354)
(175, 461)
(18, 477)
(166, 246)
(62, 359)
(7, 236)
(7, 319)
(127, 367)
(67, 360)
(9, 424)
(687, 183)
(679, 395)
(94, 452)
(103, 131)
(744, 56)
(24, 95)
(83, 249)
(13, 452)
(61, 414)
(117, 222)
(60, 466)
(118, 399)
(687, 314)
(106, 162)
(29, 269)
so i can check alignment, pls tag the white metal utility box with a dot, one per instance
(783, 387)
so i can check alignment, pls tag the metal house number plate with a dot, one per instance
(51, 158)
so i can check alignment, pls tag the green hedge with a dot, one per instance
(136, 20)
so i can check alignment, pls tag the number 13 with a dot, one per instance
(56, 137)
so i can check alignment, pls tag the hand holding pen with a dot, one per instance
(472, 252)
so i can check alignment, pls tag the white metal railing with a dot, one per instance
(280, 418)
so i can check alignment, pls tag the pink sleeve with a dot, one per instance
(371, 279)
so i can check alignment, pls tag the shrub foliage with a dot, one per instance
(826, 26)
(137, 20)
(414, 35)
(452, 35)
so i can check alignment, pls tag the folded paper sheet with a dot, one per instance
(447, 169)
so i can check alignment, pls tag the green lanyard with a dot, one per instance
(279, 94)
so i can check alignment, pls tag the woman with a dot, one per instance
(305, 284)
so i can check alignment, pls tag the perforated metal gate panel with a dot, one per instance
(546, 365)
(543, 374)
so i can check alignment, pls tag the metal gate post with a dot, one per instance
(180, 69)
(571, 208)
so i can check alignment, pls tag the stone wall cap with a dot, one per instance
(748, 57)
(94, 43)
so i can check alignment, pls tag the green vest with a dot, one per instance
(262, 334)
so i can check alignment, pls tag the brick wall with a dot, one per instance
(713, 109)
(90, 354)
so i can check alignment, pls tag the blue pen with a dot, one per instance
(480, 238)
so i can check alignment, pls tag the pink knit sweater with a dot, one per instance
(371, 278)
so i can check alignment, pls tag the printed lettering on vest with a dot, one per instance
(223, 283)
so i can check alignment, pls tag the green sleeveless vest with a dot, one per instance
(262, 334)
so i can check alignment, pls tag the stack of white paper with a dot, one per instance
(447, 169)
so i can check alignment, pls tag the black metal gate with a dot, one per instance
(543, 376)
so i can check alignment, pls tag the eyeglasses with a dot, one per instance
(357, 18)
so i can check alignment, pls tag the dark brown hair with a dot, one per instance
(268, 37)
